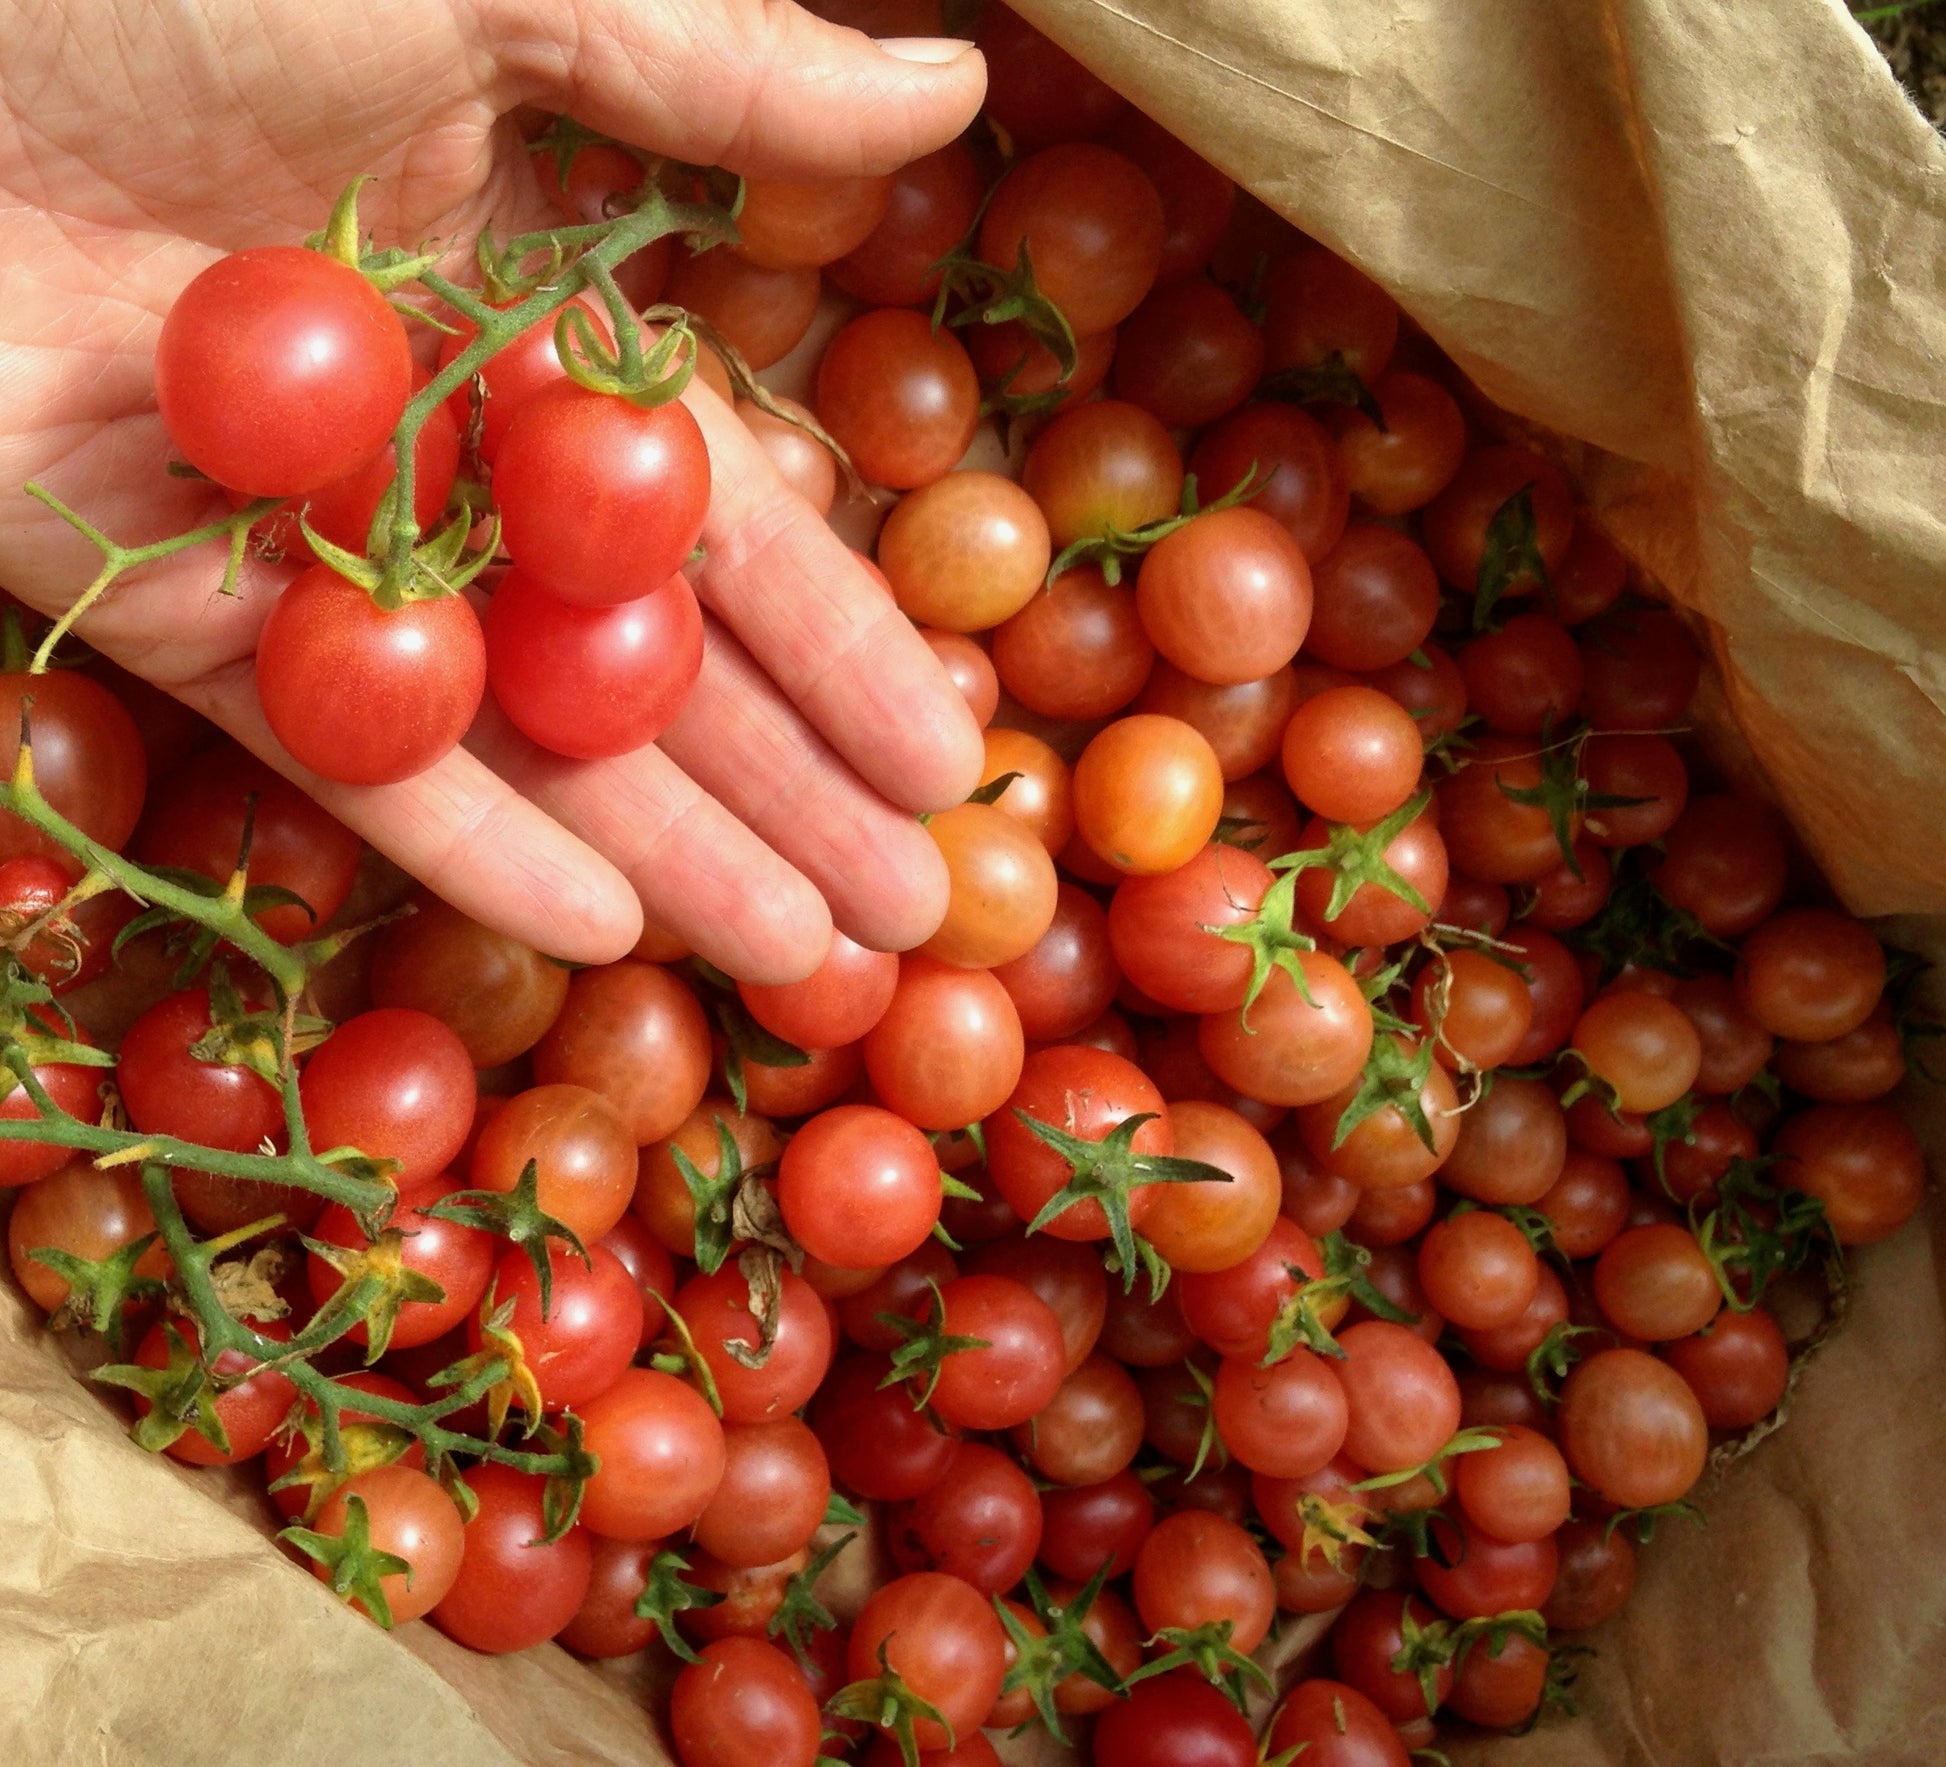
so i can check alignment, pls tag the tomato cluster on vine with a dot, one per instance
(1351, 1152)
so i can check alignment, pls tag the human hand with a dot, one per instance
(138, 144)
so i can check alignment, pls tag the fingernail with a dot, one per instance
(933, 50)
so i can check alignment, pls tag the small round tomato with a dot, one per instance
(1287, 1049)
(589, 1332)
(364, 695)
(1631, 1429)
(1368, 1637)
(1067, 979)
(1810, 974)
(1336, 1726)
(1642, 1046)
(1654, 1282)
(1092, 225)
(279, 370)
(721, 1311)
(964, 552)
(1148, 792)
(948, 1049)
(1302, 486)
(941, 1637)
(1861, 1161)
(1197, 1567)
(1226, 597)
(592, 682)
(247, 1411)
(409, 1515)
(1353, 754)
(773, 1494)
(579, 1144)
(793, 223)
(634, 1033)
(1077, 650)
(1737, 1366)
(1102, 468)
(1016, 1366)
(1470, 1574)
(837, 1003)
(1478, 1270)
(1173, 1721)
(900, 397)
(515, 1588)
(859, 1187)
(878, 1445)
(1319, 309)
(194, 822)
(1374, 597)
(458, 1259)
(88, 1214)
(600, 499)
(1724, 861)
(1519, 1491)
(1188, 353)
(397, 1085)
(1402, 1398)
(1001, 887)
(1595, 1575)
(981, 1521)
(1458, 522)
(743, 1701)
(661, 1453)
(930, 208)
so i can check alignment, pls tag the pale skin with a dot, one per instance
(139, 142)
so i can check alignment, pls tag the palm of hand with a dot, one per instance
(128, 161)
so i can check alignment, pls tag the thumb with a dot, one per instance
(760, 86)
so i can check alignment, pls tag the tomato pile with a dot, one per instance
(1345, 1151)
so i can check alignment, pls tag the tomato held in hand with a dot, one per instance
(363, 695)
(279, 370)
(601, 500)
(592, 682)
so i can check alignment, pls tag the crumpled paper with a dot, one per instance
(1700, 245)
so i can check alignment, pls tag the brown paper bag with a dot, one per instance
(1700, 245)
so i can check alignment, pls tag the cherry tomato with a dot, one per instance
(409, 1516)
(167, 1090)
(878, 1445)
(942, 1638)
(606, 1623)
(1639, 669)
(1148, 792)
(773, 1494)
(1861, 1161)
(1195, 1568)
(1414, 457)
(1234, 1310)
(1036, 91)
(1403, 1400)
(1500, 1688)
(1368, 1636)
(248, 1411)
(1175, 1720)
(1076, 651)
(1596, 1574)
(930, 208)
(859, 1187)
(1810, 974)
(661, 1452)
(1478, 1270)
(1738, 1366)
(1456, 523)
(1285, 1049)
(1863, 1064)
(899, 397)
(1001, 886)
(964, 552)
(717, 1308)
(194, 822)
(1208, 1225)
(364, 695)
(948, 1050)
(1160, 926)
(279, 370)
(592, 682)
(590, 1331)
(1352, 754)
(1374, 598)
(1644, 1047)
(1377, 914)
(496, 994)
(980, 1522)
(1066, 1274)
(1226, 597)
(761, 313)
(1017, 1367)
(1319, 310)
(1092, 224)
(515, 1588)
(580, 1146)
(459, 1259)
(1188, 354)
(1631, 1429)
(600, 499)
(1725, 862)
(1102, 468)
(1335, 1726)
(1519, 1491)
(1067, 979)
(397, 1085)
(743, 1703)
(1302, 484)
(791, 224)
(634, 1033)
(84, 1212)
(1525, 677)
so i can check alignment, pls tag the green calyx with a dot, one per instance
(1106, 1172)
(887, 1701)
(1433, 1471)
(1207, 1650)
(1300, 1320)
(1330, 382)
(925, 1348)
(1394, 1078)
(514, 1215)
(1042, 1661)
(801, 1613)
(1110, 548)
(1511, 560)
(666, 1594)
(357, 1568)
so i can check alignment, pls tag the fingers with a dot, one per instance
(759, 86)
(831, 638)
(468, 835)
(696, 869)
(879, 870)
